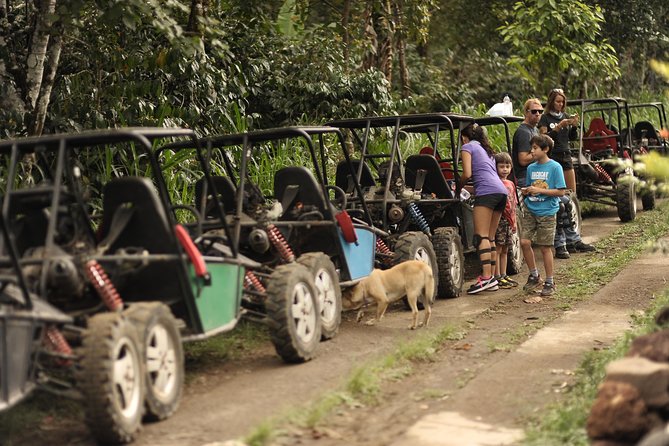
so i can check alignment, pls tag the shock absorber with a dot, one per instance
(418, 218)
(280, 244)
(56, 342)
(385, 252)
(603, 175)
(251, 280)
(103, 285)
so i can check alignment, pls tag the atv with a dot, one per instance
(113, 255)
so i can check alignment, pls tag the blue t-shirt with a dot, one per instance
(548, 175)
(484, 171)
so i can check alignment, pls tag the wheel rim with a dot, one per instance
(515, 241)
(454, 261)
(326, 295)
(126, 378)
(161, 362)
(304, 313)
(575, 219)
(422, 255)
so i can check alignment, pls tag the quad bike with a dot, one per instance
(415, 200)
(603, 157)
(290, 215)
(112, 256)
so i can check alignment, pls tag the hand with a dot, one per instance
(524, 190)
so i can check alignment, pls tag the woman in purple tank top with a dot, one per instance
(489, 201)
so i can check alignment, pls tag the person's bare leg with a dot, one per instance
(570, 179)
(528, 253)
(547, 254)
(502, 259)
(482, 219)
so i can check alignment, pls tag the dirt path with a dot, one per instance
(474, 382)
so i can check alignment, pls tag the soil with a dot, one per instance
(483, 386)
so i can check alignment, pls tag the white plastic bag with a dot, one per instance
(504, 108)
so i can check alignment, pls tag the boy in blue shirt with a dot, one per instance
(541, 203)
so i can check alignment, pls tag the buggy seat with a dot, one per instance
(226, 193)
(344, 180)
(296, 184)
(434, 183)
(599, 137)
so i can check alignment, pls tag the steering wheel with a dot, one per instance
(340, 200)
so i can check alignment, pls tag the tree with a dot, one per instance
(558, 43)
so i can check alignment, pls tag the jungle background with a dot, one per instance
(220, 65)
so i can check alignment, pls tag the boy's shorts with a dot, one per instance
(538, 229)
(504, 234)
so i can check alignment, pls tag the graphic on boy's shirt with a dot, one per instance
(539, 183)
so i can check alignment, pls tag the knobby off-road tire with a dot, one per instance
(327, 289)
(648, 200)
(576, 214)
(111, 378)
(626, 198)
(450, 261)
(293, 314)
(162, 353)
(415, 245)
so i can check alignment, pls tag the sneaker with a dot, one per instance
(504, 283)
(532, 283)
(548, 289)
(510, 281)
(580, 247)
(483, 284)
(561, 252)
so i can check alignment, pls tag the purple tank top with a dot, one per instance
(484, 171)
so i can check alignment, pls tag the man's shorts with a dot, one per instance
(504, 234)
(538, 229)
(496, 202)
(564, 159)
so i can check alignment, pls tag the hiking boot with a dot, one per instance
(510, 281)
(532, 283)
(579, 246)
(548, 289)
(483, 284)
(561, 252)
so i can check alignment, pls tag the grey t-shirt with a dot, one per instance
(521, 143)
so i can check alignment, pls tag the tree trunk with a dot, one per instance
(4, 7)
(197, 9)
(370, 56)
(47, 84)
(37, 55)
(386, 43)
(401, 49)
(345, 17)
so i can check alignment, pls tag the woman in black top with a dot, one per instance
(561, 127)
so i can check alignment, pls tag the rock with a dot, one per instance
(650, 378)
(618, 414)
(653, 346)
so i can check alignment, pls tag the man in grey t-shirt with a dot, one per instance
(520, 153)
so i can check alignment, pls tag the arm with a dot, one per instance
(525, 158)
(466, 168)
(532, 190)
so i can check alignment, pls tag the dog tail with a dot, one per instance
(428, 292)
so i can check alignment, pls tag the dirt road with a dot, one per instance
(477, 384)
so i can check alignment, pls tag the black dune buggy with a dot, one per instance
(645, 133)
(113, 256)
(283, 211)
(603, 156)
(415, 199)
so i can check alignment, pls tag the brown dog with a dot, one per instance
(412, 279)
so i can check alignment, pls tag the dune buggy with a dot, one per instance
(414, 199)
(112, 255)
(603, 156)
(646, 132)
(274, 188)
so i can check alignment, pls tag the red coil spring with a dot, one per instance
(251, 280)
(105, 288)
(383, 249)
(603, 175)
(280, 244)
(55, 340)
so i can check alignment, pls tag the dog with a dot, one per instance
(412, 279)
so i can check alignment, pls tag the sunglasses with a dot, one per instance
(536, 111)
(557, 90)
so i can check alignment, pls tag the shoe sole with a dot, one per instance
(484, 288)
